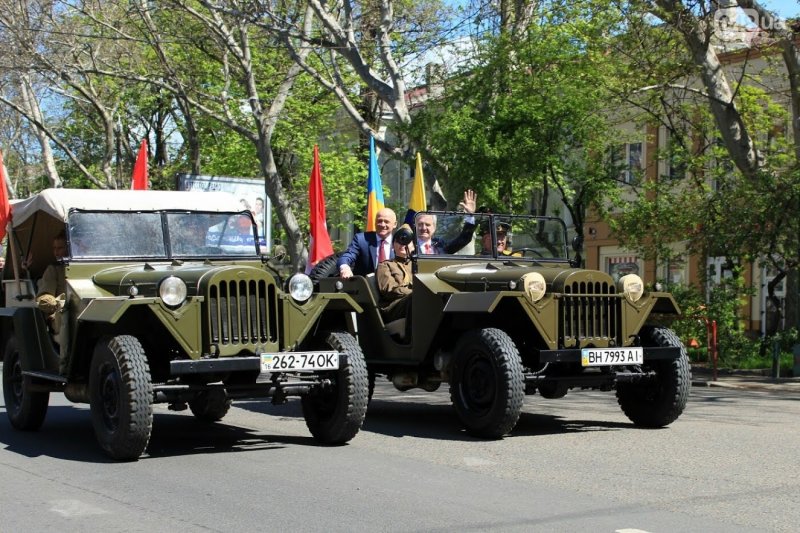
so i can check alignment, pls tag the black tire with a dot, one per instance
(325, 268)
(487, 387)
(659, 402)
(210, 406)
(26, 410)
(121, 397)
(334, 415)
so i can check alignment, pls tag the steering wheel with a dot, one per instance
(526, 251)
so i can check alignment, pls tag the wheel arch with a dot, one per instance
(506, 314)
(28, 327)
(137, 321)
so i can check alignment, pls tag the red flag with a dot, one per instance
(139, 182)
(320, 243)
(5, 205)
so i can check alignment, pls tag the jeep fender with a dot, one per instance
(636, 314)
(301, 318)
(541, 313)
(182, 323)
(475, 302)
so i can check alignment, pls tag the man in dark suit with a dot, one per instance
(427, 243)
(369, 248)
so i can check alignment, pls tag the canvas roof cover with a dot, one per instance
(58, 202)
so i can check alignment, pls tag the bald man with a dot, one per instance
(369, 248)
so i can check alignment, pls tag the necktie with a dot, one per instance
(428, 248)
(381, 251)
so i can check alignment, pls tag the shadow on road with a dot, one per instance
(67, 433)
(533, 425)
(420, 418)
(177, 434)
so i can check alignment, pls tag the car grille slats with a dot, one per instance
(242, 312)
(589, 311)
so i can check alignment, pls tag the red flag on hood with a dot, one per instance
(5, 205)
(320, 243)
(139, 182)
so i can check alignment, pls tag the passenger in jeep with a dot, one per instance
(394, 279)
(364, 254)
(428, 243)
(53, 284)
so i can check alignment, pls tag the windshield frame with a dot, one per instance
(165, 234)
(481, 222)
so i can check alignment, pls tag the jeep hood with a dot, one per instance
(557, 276)
(146, 277)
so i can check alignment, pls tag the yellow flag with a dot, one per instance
(417, 202)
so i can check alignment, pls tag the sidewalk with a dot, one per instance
(744, 379)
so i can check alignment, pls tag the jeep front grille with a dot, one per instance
(243, 312)
(589, 314)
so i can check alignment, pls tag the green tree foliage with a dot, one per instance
(723, 105)
(527, 115)
(212, 94)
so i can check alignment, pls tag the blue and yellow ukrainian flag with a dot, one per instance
(374, 187)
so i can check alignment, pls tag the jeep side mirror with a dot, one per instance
(577, 245)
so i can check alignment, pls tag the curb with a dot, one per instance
(786, 386)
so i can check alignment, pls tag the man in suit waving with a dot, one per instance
(427, 243)
(369, 248)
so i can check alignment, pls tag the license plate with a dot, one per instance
(299, 361)
(611, 356)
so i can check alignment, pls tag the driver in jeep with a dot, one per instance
(52, 286)
(502, 230)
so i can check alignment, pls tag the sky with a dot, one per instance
(784, 8)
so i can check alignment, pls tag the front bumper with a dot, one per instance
(211, 366)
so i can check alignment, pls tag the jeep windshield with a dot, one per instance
(160, 235)
(482, 236)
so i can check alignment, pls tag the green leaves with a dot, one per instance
(528, 117)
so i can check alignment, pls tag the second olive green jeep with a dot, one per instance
(166, 299)
(498, 322)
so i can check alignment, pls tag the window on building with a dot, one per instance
(672, 158)
(675, 271)
(627, 159)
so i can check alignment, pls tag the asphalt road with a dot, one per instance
(730, 463)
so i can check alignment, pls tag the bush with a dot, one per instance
(697, 355)
(735, 349)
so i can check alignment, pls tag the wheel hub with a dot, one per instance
(109, 393)
(479, 383)
(16, 382)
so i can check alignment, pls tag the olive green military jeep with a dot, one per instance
(166, 298)
(499, 323)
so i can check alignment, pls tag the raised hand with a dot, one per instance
(469, 202)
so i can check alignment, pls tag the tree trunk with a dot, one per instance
(31, 106)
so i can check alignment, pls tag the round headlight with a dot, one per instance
(301, 287)
(631, 286)
(534, 286)
(172, 291)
